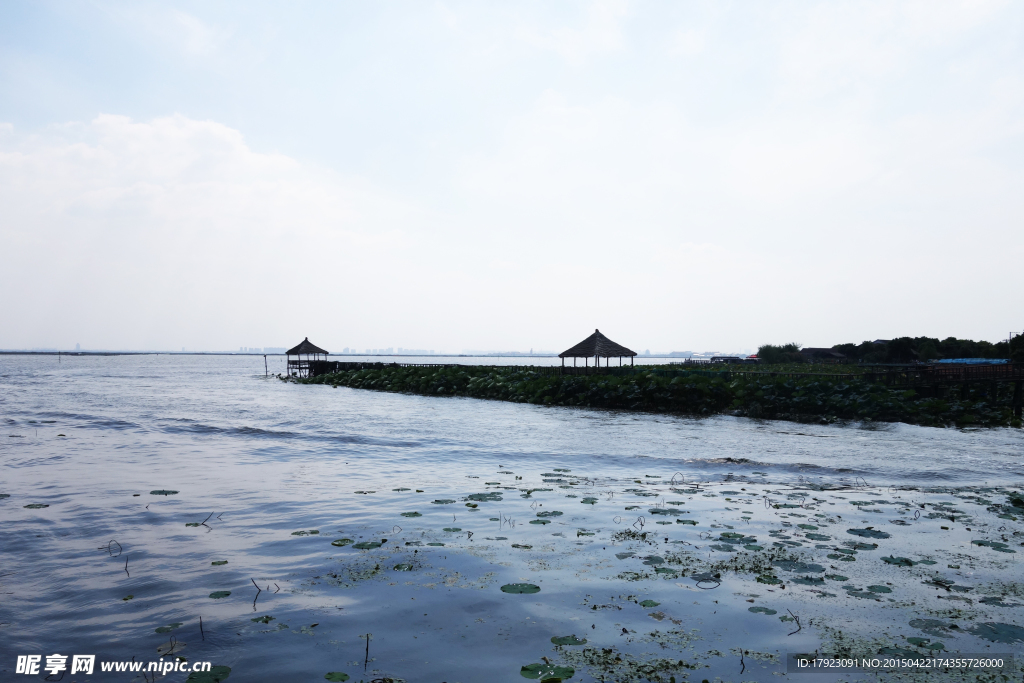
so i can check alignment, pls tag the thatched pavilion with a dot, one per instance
(596, 346)
(311, 351)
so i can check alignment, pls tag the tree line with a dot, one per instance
(903, 350)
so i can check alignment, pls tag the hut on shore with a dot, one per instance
(312, 353)
(596, 346)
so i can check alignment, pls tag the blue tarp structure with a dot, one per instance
(974, 361)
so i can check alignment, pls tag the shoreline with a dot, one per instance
(693, 392)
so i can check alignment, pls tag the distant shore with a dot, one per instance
(666, 389)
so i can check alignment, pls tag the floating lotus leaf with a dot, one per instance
(932, 627)
(492, 496)
(879, 589)
(801, 567)
(584, 532)
(442, 501)
(311, 532)
(647, 604)
(568, 640)
(4, 495)
(169, 627)
(687, 521)
(436, 544)
(452, 529)
(520, 588)
(671, 573)
(858, 545)
(754, 547)
(549, 513)
(367, 545)
(36, 506)
(589, 501)
(998, 633)
(762, 610)
(401, 488)
(868, 533)
(521, 546)
(216, 674)
(162, 492)
(723, 547)
(403, 567)
(808, 527)
(897, 652)
(819, 537)
(624, 555)
(547, 672)
(219, 563)
(411, 514)
(266, 619)
(562, 469)
(836, 577)
(768, 579)
(654, 560)
(336, 676)
(899, 561)
(666, 511)
(540, 521)
(341, 542)
(217, 595)
(128, 597)
(995, 545)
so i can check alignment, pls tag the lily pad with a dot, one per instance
(520, 588)
(669, 572)
(442, 501)
(995, 545)
(336, 676)
(801, 567)
(163, 492)
(933, 627)
(436, 544)
(647, 604)
(219, 563)
(899, 561)
(808, 527)
(128, 597)
(169, 627)
(540, 521)
(589, 501)
(265, 619)
(836, 577)
(403, 567)
(654, 560)
(492, 496)
(36, 506)
(311, 532)
(819, 537)
(341, 542)
(401, 488)
(547, 672)
(217, 595)
(452, 529)
(808, 580)
(4, 495)
(879, 589)
(998, 633)
(216, 674)
(568, 640)
(762, 610)
(859, 545)
(411, 514)
(768, 579)
(549, 513)
(367, 545)
(692, 522)
(868, 533)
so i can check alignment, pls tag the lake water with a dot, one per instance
(599, 510)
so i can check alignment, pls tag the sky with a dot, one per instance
(482, 175)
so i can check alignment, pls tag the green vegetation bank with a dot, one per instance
(693, 392)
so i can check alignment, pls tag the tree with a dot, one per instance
(773, 354)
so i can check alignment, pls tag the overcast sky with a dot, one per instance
(483, 175)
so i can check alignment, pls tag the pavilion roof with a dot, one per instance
(596, 345)
(305, 348)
